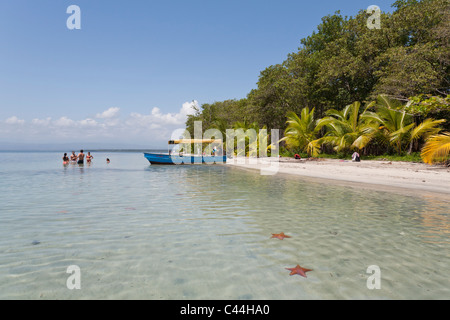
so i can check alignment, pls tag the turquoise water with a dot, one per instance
(204, 232)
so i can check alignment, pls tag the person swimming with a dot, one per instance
(89, 158)
(73, 157)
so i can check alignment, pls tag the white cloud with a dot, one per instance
(14, 120)
(164, 119)
(108, 114)
(64, 122)
(189, 108)
(88, 123)
(41, 122)
(156, 126)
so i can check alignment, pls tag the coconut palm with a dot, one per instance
(437, 148)
(397, 127)
(255, 146)
(393, 124)
(426, 129)
(347, 129)
(301, 132)
(247, 128)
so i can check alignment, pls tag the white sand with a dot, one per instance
(385, 175)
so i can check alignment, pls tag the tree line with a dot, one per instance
(377, 90)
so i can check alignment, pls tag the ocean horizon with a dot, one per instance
(76, 146)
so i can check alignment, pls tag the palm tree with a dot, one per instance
(436, 148)
(348, 129)
(397, 127)
(246, 126)
(254, 146)
(426, 129)
(302, 132)
(391, 124)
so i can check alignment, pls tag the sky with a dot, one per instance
(135, 69)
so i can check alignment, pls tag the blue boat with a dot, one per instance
(173, 158)
(165, 158)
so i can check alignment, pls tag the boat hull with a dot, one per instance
(166, 159)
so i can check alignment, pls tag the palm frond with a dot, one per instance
(427, 128)
(437, 148)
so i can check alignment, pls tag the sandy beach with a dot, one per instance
(383, 175)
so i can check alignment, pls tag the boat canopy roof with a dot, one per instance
(182, 141)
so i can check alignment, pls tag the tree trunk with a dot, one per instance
(410, 147)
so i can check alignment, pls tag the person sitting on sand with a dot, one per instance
(89, 157)
(81, 157)
(356, 157)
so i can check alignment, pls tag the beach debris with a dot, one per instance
(298, 270)
(280, 236)
(35, 243)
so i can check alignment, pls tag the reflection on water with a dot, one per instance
(436, 221)
(200, 232)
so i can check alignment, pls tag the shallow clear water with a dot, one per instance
(204, 232)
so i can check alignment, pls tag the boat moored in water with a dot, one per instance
(176, 158)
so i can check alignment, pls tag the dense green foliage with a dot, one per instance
(344, 61)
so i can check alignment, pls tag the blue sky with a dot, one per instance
(132, 71)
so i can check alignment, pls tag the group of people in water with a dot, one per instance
(77, 158)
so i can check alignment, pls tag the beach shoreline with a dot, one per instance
(404, 177)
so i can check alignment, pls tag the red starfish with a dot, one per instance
(280, 236)
(298, 270)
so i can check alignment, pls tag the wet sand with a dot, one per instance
(384, 175)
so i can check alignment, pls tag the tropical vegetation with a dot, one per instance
(437, 148)
(348, 87)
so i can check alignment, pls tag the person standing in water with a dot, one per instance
(81, 157)
(89, 158)
(65, 159)
(73, 157)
